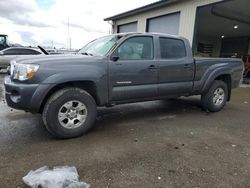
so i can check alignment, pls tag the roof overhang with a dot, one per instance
(142, 9)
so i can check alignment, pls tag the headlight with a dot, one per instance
(23, 71)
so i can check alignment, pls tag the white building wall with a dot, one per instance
(187, 19)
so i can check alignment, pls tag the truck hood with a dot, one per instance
(58, 59)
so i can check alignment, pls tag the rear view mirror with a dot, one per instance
(114, 58)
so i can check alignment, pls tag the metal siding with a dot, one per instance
(168, 24)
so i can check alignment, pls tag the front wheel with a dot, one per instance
(69, 113)
(216, 97)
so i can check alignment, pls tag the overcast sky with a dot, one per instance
(43, 22)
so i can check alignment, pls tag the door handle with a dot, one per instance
(187, 66)
(152, 67)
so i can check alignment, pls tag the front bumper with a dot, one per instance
(27, 97)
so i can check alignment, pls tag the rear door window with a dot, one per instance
(172, 48)
(29, 52)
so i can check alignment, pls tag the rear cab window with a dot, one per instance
(171, 48)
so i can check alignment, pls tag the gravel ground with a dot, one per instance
(151, 145)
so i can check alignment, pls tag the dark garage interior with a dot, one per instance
(223, 30)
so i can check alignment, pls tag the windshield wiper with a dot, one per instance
(43, 50)
(86, 53)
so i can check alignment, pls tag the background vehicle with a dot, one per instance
(113, 70)
(52, 51)
(8, 54)
(246, 60)
(3, 41)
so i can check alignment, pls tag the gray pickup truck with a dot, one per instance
(112, 70)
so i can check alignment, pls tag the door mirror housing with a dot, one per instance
(114, 58)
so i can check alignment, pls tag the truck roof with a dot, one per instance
(149, 34)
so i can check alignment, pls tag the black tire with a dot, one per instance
(55, 103)
(207, 98)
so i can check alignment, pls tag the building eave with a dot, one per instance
(141, 9)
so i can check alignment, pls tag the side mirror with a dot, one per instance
(114, 58)
(1, 53)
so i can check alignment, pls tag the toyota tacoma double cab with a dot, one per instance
(112, 70)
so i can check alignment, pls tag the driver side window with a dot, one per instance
(136, 48)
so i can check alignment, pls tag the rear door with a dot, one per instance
(133, 74)
(176, 67)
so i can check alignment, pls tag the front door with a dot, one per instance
(133, 75)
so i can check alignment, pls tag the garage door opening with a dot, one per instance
(168, 24)
(129, 27)
(223, 30)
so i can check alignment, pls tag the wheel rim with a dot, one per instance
(72, 114)
(219, 96)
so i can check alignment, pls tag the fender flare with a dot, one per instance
(57, 79)
(214, 74)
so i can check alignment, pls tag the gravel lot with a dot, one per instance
(145, 145)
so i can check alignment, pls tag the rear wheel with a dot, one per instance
(216, 97)
(69, 113)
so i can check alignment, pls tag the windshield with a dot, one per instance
(100, 46)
